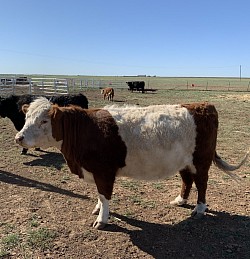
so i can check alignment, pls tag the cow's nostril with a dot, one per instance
(20, 138)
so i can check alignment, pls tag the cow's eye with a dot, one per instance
(43, 122)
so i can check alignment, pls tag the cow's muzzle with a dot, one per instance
(19, 139)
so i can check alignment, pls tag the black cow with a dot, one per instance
(136, 85)
(11, 106)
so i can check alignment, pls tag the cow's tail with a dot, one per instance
(227, 168)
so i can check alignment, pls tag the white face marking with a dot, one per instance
(37, 130)
(160, 140)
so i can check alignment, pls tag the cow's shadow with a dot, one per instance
(118, 101)
(218, 235)
(15, 179)
(46, 158)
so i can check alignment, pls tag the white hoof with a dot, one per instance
(199, 211)
(99, 225)
(102, 209)
(96, 211)
(178, 201)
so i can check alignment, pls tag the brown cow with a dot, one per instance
(147, 143)
(108, 92)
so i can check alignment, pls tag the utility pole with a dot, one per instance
(240, 72)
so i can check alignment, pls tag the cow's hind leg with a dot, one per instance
(187, 181)
(201, 179)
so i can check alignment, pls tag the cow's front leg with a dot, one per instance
(178, 201)
(24, 151)
(104, 183)
(97, 208)
(103, 208)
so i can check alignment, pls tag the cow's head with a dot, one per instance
(37, 130)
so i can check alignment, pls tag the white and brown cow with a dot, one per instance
(108, 92)
(149, 143)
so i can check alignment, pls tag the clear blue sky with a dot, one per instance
(129, 37)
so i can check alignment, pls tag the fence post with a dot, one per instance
(30, 88)
(13, 85)
(248, 86)
(67, 85)
(55, 85)
(187, 85)
(228, 85)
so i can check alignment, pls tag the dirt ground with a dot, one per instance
(45, 211)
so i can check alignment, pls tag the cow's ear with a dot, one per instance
(25, 108)
(56, 115)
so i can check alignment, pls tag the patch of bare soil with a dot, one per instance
(45, 211)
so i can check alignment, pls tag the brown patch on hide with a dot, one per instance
(90, 140)
(57, 129)
(206, 120)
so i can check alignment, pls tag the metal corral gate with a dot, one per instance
(49, 86)
(7, 86)
(52, 86)
(46, 86)
(36, 86)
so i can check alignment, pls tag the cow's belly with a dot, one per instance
(160, 140)
(157, 163)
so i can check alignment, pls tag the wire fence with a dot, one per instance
(63, 86)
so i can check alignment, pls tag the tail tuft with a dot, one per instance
(227, 168)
